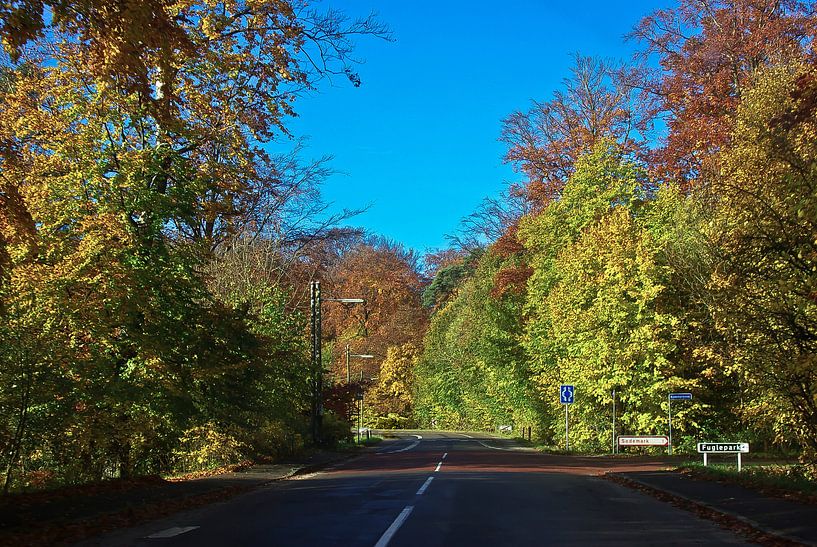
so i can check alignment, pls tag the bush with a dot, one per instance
(277, 439)
(394, 421)
(207, 447)
(335, 430)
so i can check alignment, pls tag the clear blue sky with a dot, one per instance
(418, 140)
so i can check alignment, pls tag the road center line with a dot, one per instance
(424, 486)
(391, 530)
(438, 466)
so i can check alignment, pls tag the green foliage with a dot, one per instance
(336, 430)
(448, 279)
(764, 227)
(592, 302)
(394, 421)
(472, 374)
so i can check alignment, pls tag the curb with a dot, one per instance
(743, 525)
(306, 469)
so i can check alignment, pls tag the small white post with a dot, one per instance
(738, 462)
(705, 459)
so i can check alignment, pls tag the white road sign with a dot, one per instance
(723, 448)
(643, 440)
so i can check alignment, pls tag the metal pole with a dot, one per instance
(738, 462)
(669, 416)
(348, 377)
(567, 429)
(317, 361)
(360, 407)
(319, 391)
(313, 359)
(614, 421)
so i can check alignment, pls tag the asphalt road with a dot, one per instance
(432, 488)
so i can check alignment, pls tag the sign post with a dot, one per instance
(670, 398)
(566, 392)
(723, 448)
(614, 421)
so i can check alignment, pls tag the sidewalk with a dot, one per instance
(46, 518)
(786, 519)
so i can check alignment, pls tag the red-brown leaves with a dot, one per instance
(805, 94)
(708, 53)
(545, 142)
(512, 279)
(514, 276)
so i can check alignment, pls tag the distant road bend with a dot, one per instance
(429, 488)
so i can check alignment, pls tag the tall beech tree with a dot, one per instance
(545, 142)
(708, 53)
(765, 230)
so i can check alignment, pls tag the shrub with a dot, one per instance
(394, 421)
(207, 447)
(335, 430)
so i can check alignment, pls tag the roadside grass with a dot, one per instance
(374, 439)
(782, 479)
(348, 446)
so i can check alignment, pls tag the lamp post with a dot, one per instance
(360, 402)
(359, 356)
(359, 393)
(317, 362)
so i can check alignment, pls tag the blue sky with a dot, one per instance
(418, 141)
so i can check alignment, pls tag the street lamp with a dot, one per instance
(317, 364)
(359, 398)
(359, 356)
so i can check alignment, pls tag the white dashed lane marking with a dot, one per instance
(424, 486)
(391, 530)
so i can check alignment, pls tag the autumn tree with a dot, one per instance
(392, 394)
(545, 142)
(387, 276)
(132, 148)
(765, 232)
(708, 53)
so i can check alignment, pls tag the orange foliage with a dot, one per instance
(386, 276)
(545, 142)
(703, 74)
(513, 277)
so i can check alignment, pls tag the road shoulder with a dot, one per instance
(73, 514)
(762, 518)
